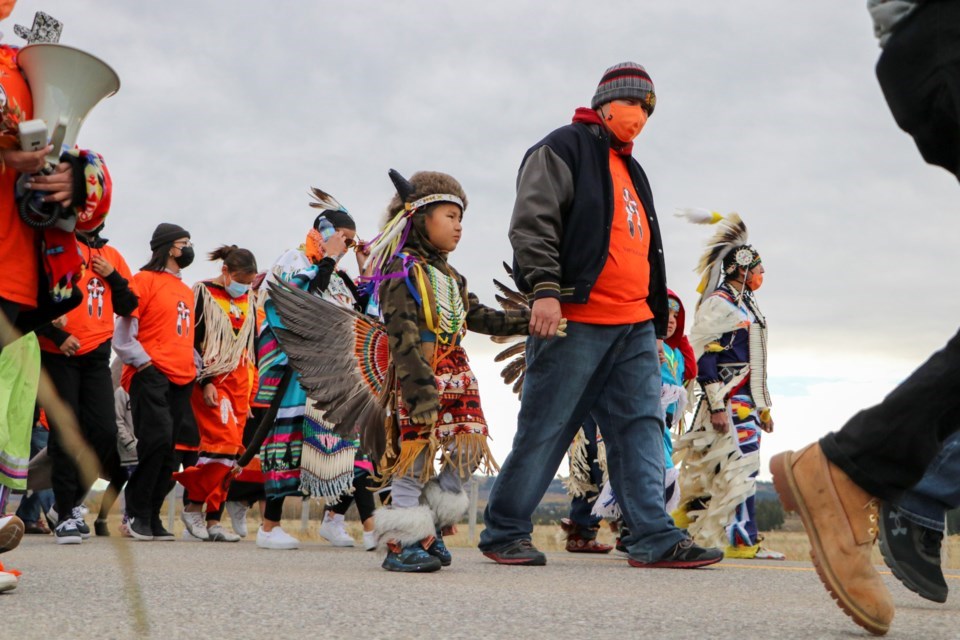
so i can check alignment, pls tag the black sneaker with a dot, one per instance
(686, 554)
(100, 527)
(139, 529)
(160, 533)
(67, 532)
(912, 552)
(77, 515)
(519, 552)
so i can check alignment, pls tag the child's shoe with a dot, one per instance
(439, 550)
(410, 559)
(334, 530)
(370, 540)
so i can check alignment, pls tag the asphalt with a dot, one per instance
(118, 588)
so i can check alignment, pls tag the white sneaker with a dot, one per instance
(370, 540)
(186, 536)
(8, 581)
(334, 530)
(219, 534)
(276, 538)
(196, 524)
(238, 517)
(11, 532)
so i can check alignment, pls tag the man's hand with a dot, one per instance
(363, 255)
(766, 422)
(25, 161)
(60, 322)
(210, 396)
(101, 267)
(70, 346)
(545, 317)
(720, 421)
(59, 184)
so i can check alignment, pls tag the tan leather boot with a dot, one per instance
(841, 520)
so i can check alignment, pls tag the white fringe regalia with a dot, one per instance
(713, 466)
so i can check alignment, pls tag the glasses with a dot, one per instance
(350, 242)
(183, 244)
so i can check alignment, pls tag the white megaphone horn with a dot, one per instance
(66, 84)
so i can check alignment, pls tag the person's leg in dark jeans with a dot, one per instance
(33, 507)
(153, 427)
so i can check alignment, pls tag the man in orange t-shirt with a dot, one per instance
(160, 368)
(587, 247)
(77, 358)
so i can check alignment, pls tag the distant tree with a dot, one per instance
(769, 515)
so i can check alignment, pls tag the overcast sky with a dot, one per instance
(229, 112)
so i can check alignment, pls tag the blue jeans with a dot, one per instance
(938, 491)
(38, 502)
(612, 373)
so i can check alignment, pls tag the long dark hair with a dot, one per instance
(158, 261)
(235, 259)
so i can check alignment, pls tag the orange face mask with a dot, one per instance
(755, 281)
(625, 121)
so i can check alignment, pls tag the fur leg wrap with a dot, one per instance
(404, 526)
(448, 508)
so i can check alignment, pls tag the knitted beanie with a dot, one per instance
(165, 233)
(627, 80)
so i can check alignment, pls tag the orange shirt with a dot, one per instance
(619, 295)
(166, 316)
(19, 244)
(92, 322)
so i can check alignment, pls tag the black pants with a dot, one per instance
(363, 486)
(161, 410)
(886, 449)
(919, 72)
(84, 384)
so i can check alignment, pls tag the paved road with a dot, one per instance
(235, 591)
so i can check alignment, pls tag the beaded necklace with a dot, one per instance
(450, 313)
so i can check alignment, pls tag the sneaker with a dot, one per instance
(195, 523)
(217, 533)
(841, 521)
(276, 538)
(912, 552)
(160, 532)
(410, 559)
(100, 527)
(686, 554)
(125, 526)
(519, 552)
(186, 536)
(77, 515)
(11, 532)
(370, 540)
(36, 528)
(67, 532)
(439, 550)
(334, 530)
(238, 517)
(140, 529)
(769, 554)
(8, 581)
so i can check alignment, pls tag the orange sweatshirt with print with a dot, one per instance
(92, 322)
(166, 316)
(619, 295)
(19, 244)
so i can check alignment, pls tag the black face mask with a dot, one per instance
(185, 259)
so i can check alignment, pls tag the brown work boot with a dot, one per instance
(841, 520)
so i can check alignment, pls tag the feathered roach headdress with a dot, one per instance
(331, 209)
(726, 252)
(424, 188)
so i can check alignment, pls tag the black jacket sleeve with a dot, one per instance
(124, 299)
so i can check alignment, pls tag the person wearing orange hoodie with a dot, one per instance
(160, 368)
(77, 358)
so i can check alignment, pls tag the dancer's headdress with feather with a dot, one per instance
(726, 251)
(412, 196)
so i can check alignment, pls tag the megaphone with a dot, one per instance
(66, 84)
